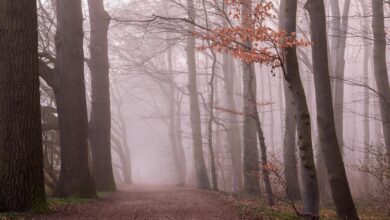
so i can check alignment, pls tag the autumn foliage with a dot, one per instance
(261, 42)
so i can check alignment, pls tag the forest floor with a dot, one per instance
(146, 202)
(173, 203)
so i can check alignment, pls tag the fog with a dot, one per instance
(231, 96)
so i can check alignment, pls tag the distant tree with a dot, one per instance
(202, 178)
(21, 157)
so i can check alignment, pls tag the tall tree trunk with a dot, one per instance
(21, 157)
(289, 148)
(176, 156)
(366, 122)
(100, 122)
(338, 182)
(75, 178)
(338, 53)
(380, 70)
(251, 152)
(203, 181)
(210, 123)
(302, 115)
(234, 131)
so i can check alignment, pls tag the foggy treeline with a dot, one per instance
(285, 100)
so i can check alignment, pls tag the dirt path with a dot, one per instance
(154, 203)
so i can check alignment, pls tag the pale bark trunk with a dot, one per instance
(338, 64)
(176, 156)
(341, 192)
(251, 152)
(21, 156)
(234, 131)
(366, 122)
(200, 166)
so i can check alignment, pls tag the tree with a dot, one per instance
(202, 178)
(251, 153)
(338, 63)
(380, 70)
(100, 122)
(289, 148)
(21, 157)
(330, 147)
(75, 177)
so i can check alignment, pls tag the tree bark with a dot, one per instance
(341, 192)
(100, 121)
(289, 148)
(302, 115)
(380, 70)
(234, 131)
(340, 37)
(366, 121)
(75, 178)
(21, 156)
(251, 152)
(202, 178)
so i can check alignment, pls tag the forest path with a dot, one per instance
(151, 202)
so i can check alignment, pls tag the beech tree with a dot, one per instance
(330, 147)
(21, 157)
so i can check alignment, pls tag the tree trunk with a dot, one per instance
(338, 66)
(75, 178)
(380, 70)
(100, 122)
(200, 166)
(289, 149)
(176, 156)
(366, 121)
(213, 169)
(21, 157)
(251, 152)
(234, 131)
(302, 115)
(338, 182)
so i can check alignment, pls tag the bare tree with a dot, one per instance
(203, 181)
(380, 70)
(100, 122)
(75, 178)
(21, 157)
(326, 125)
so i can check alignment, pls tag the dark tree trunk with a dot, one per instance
(75, 178)
(21, 157)
(202, 178)
(290, 149)
(341, 192)
(100, 122)
(380, 70)
(294, 82)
